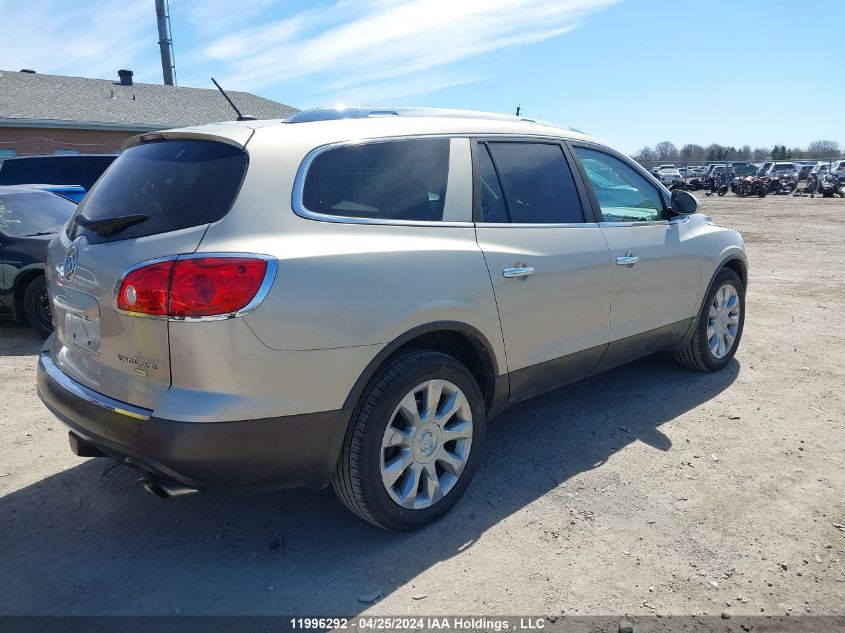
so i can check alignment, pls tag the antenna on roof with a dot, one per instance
(518, 109)
(241, 117)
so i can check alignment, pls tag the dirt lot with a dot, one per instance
(649, 489)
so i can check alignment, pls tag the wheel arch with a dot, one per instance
(459, 340)
(735, 264)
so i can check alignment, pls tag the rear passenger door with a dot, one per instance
(548, 263)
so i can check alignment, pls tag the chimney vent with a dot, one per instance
(125, 77)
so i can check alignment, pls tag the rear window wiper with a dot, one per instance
(111, 226)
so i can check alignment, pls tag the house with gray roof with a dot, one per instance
(52, 114)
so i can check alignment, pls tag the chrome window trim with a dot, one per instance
(297, 196)
(260, 295)
(57, 376)
(549, 140)
(298, 205)
(678, 220)
(538, 225)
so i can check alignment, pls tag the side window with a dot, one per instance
(623, 194)
(493, 207)
(537, 183)
(389, 180)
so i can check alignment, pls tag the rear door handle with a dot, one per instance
(628, 260)
(520, 271)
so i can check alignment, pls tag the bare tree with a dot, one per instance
(761, 153)
(691, 152)
(823, 149)
(645, 155)
(666, 151)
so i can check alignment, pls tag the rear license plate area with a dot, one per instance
(82, 333)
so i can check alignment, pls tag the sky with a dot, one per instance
(633, 72)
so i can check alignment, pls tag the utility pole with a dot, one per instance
(165, 42)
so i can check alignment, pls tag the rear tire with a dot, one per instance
(719, 328)
(400, 466)
(36, 306)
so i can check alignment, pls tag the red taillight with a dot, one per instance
(144, 290)
(206, 286)
(192, 287)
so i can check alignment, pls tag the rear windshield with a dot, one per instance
(54, 170)
(27, 213)
(169, 185)
(389, 180)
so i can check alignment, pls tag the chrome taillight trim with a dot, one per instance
(260, 295)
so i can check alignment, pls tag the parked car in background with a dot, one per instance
(668, 173)
(691, 172)
(711, 168)
(722, 172)
(29, 219)
(329, 298)
(803, 172)
(838, 168)
(77, 169)
(821, 168)
(74, 193)
(741, 168)
(779, 168)
(763, 168)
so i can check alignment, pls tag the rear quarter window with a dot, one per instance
(386, 180)
(177, 184)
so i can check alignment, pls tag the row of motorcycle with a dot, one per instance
(749, 186)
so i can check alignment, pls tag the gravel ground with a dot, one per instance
(649, 489)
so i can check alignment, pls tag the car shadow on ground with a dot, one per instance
(18, 340)
(88, 540)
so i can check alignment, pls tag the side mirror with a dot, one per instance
(683, 202)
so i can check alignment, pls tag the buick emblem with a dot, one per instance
(71, 260)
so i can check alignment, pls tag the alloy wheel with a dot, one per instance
(723, 321)
(426, 444)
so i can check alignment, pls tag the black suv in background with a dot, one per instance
(29, 219)
(76, 169)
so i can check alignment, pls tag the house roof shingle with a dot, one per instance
(104, 103)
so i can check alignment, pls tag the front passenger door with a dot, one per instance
(655, 261)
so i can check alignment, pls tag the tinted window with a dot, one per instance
(493, 208)
(28, 213)
(538, 185)
(176, 184)
(390, 180)
(623, 194)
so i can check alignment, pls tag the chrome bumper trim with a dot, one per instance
(56, 375)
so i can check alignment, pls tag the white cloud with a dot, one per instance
(355, 50)
(350, 45)
(86, 39)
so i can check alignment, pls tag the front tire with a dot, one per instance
(413, 442)
(719, 328)
(36, 306)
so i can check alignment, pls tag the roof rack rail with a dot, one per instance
(364, 112)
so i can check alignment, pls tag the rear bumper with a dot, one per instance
(282, 452)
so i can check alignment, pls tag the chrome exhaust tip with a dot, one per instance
(167, 489)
